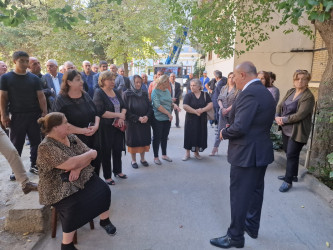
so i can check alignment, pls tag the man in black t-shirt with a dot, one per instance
(22, 90)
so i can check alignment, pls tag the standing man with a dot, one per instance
(204, 79)
(188, 83)
(214, 89)
(119, 82)
(22, 90)
(127, 81)
(87, 76)
(103, 66)
(3, 68)
(250, 151)
(145, 82)
(34, 67)
(53, 80)
(70, 66)
(94, 68)
(175, 94)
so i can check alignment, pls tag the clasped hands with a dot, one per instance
(199, 111)
(143, 119)
(279, 120)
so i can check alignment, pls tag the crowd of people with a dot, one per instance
(88, 118)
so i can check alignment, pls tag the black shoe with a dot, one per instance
(134, 165)
(282, 178)
(29, 186)
(227, 242)
(34, 169)
(285, 187)
(111, 183)
(144, 163)
(251, 234)
(69, 246)
(12, 177)
(110, 229)
(124, 176)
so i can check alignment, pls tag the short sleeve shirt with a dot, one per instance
(22, 92)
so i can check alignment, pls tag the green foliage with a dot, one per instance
(215, 24)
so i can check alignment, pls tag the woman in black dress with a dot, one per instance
(67, 180)
(111, 107)
(196, 104)
(80, 112)
(138, 116)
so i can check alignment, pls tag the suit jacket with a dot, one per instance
(48, 85)
(251, 118)
(177, 92)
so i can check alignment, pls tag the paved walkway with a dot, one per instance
(182, 205)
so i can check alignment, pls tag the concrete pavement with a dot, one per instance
(182, 205)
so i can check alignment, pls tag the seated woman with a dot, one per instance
(196, 104)
(293, 115)
(139, 114)
(111, 107)
(80, 111)
(67, 180)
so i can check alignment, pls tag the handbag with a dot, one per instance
(211, 112)
(116, 125)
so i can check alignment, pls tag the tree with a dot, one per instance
(214, 24)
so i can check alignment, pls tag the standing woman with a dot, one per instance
(226, 99)
(80, 112)
(196, 104)
(267, 81)
(293, 115)
(111, 107)
(139, 114)
(162, 106)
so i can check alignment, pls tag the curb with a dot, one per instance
(313, 184)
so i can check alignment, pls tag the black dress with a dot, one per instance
(80, 112)
(137, 134)
(195, 130)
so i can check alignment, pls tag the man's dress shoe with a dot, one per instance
(285, 187)
(227, 242)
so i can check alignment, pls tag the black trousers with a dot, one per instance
(292, 149)
(112, 140)
(246, 198)
(177, 116)
(23, 124)
(161, 131)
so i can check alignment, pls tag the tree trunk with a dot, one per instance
(126, 68)
(323, 132)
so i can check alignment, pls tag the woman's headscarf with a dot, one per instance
(137, 92)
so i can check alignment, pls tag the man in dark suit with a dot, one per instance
(175, 94)
(52, 81)
(250, 151)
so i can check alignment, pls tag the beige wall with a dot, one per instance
(224, 65)
(272, 55)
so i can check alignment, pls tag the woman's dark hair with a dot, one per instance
(231, 73)
(69, 75)
(272, 76)
(267, 78)
(50, 121)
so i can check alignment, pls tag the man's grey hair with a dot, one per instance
(218, 74)
(85, 62)
(172, 74)
(52, 61)
(68, 62)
